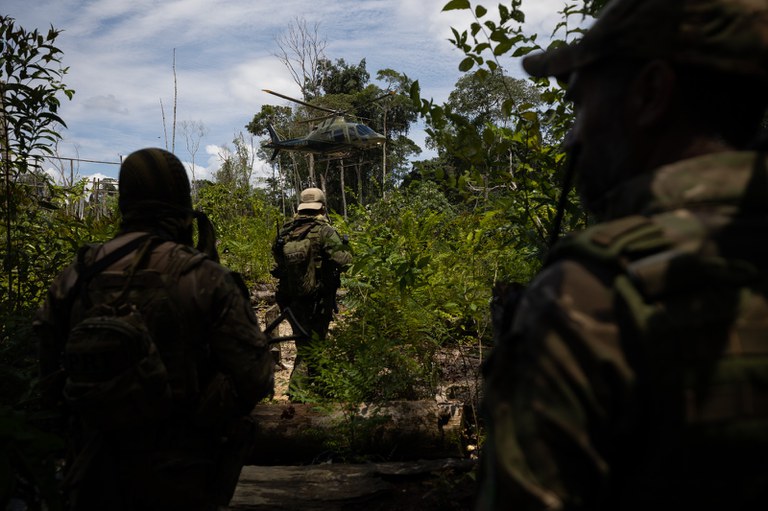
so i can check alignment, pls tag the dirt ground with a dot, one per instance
(445, 489)
(459, 368)
(284, 353)
(287, 354)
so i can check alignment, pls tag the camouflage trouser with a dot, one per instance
(314, 318)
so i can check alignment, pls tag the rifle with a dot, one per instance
(286, 313)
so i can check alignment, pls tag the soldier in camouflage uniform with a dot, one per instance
(635, 372)
(312, 311)
(217, 358)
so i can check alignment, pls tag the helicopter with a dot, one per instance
(333, 137)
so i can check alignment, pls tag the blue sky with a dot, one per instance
(120, 55)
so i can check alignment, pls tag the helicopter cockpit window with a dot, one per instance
(364, 130)
(338, 135)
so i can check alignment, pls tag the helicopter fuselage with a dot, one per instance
(332, 137)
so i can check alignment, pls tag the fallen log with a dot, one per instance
(397, 430)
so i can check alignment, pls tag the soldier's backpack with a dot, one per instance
(299, 259)
(116, 377)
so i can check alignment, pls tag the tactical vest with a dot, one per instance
(299, 256)
(694, 327)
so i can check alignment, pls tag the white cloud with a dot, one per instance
(249, 78)
(120, 56)
(106, 104)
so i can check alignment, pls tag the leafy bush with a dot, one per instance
(420, 280)
(245, 226)
(45, 239)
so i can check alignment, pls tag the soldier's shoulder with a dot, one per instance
(183, 259)
(631, 237)
(64, 282)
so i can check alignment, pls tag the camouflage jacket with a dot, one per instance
(634, 374)
(216, 334)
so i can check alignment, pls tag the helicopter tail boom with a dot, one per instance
(275, 141)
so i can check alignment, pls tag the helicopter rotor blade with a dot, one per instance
(385, 95)
(322, 117)
(299, 101)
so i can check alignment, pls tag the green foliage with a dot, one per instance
(269, 114)
(483, 97)
(47, 237)
(341, 78)
(245, 226)
(30, 85)
(502, 149)
(36, 244)
(483, 211)
(420, 280)
(30, 81)
(27, 464)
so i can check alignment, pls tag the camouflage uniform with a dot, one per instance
(635, 372)
(214, 346)
(581, 409)
(314, 312)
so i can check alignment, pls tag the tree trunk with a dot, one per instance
(384, 158)
(359, 174)
(397, 430)
(296, 180)
(5, 164)
(343, 189)
(312, 180)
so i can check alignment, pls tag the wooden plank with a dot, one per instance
(332, 486)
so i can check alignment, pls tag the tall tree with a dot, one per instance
(237, 166)
(301, 49)
(515, 162)
(31, 76)
(342, 78)
(396, 116)
(193, 133)
(347, 87)
(480, 96)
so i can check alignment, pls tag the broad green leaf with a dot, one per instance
(466, 64)
(456, 5)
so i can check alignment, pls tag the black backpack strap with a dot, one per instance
(85, 273)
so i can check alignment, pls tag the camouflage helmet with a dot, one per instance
(312, 198)
(730, 36)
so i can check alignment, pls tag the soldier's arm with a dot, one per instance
(51, 327)
(555, 387)
(336, 249)
(238, 346)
